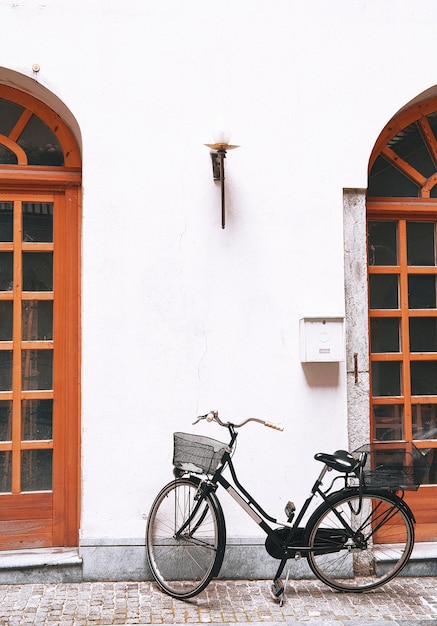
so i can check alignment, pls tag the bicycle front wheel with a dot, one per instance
(185, 538)
(360, 544)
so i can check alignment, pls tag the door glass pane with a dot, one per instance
(383, 243)
(6, 221)
(5, 370)
(38, 221)
(423, 334)
(37, 419)
(386, 378)
(423, 378)
(5, 420)
(37, 369)
(37, 320)
(7, 157)
(37, 271)
(424, 421)
(6, 271)
(420, 243)
(384, 334)
(9, 115)
(387, 180)
(388, 422)
(421, 291)
(6, 308)
(410, 145)
(5, 471)
(40, 144)
(384, 292)
(36, 470)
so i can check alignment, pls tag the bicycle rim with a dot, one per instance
(184, 563)
(381, 546)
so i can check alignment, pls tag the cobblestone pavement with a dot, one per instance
(406, 601)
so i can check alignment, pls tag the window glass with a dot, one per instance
(432, 119)
(37, 271)
(384, 334)
(420, 243)
(424, 421)
(421, 291)
(410, 146)
(5, 420)
(388, 422)
(423, 334)
(6, 271)
(38, 221)
(9, 116)
(6, 221)
(37, 321)
(386, 180)
(37, 369)
(5, 370)
(7, 157)
(382, 242)
(423, 378)
(37, 419)
(40, 144)
(6, 309)
(384, 291)
(5, 471)
(36, 470)
(386, 378)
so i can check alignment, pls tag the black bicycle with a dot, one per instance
(358, 538)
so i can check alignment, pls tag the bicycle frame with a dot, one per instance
(252, 508)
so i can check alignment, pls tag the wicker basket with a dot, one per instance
(197, 454)
(394, 465)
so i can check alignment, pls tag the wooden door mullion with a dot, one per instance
(16, 362)
(405, 330)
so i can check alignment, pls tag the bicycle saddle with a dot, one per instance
(341, 460)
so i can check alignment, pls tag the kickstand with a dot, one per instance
(278, 588)
(281, 601)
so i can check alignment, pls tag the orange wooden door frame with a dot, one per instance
(50, 518)
(401, 211)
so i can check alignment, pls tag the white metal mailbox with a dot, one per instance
(322, 339)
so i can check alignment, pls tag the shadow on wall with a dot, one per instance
(322, 374)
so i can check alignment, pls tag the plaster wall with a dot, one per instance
(179, 316)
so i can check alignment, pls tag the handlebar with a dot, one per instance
(213, 416)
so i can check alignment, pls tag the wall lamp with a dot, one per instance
(218, 154)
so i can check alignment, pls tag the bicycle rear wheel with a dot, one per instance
(382, 541)
(185, 538)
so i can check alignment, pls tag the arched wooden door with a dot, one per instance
(402, 273)
(40, 177)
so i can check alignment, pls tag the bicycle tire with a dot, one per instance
(384, 539)
(183, 565)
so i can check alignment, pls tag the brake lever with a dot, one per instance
(209, 417)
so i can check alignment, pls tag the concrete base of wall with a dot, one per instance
(54, 565)
(244, 559)
(122, 560)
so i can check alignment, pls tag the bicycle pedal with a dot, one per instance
(277, 588)
(290, 508)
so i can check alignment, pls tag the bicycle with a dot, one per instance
(357, 539)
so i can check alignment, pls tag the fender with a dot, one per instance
(216, 502)
(376, 492)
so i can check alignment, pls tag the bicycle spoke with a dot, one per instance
(185, 539)
(379, 548)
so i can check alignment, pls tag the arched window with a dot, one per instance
(39, 325)
(402, 279)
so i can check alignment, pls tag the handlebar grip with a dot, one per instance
(275, 426)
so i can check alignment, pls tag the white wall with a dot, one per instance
(179, 316)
